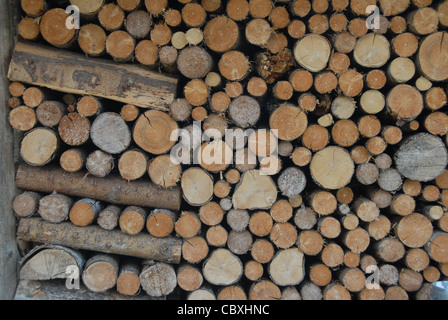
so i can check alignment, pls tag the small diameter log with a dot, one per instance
(129, 112)
(372, 50)
(287, 267)
(100, 163)
(283, 235)
(22, 118)
(211, 214)
(357, 240)
(320, 275)
(292, 182)
(217, 236)
(53, 28)
(353, 279)
(435, 98)
(33, 96)
(114, 242)
(237, 10)
(351, 83)
(132, 164)
(239, 242)
(222, 268)
(313, 52)
(39, 147)
(132, 220)
(340, 168)
(108, 217)
(310, 242)
(221, 34)
(89, 106)
(111, 17)
(193, 15)
(244, 111)
(437, 247)
(28, 28)
(84, 212)
(202, 293)
(254, 191)
(151, 90)
(113, 190)
(160, 222)
(433, 154)
(74, 129)
(128, 282)
(194, 62)
(417, 259)
(73, 160)
(92, 40)
(147, 53)
(100, 273)
(152, 132)
(332, 255)
(26, 204)
(402, 204)
(48, 262)
(34, 8)
(55, 208)
(188, 225)
(260, 223)
(262, 251)
(168, 58)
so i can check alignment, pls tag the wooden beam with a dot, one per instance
(75, 73)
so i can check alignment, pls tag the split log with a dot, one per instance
(76, 184)
(287, 267)
(81, 80)
(47, 262)
(261, 189)
(100, 272)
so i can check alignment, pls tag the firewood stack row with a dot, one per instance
(337, 190)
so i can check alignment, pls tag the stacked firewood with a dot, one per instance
(337, 190)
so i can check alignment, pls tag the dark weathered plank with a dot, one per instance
(74, 73)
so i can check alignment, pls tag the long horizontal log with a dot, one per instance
(95, 238)
(77, 74)
(114, 189)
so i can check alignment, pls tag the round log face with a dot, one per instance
(430, 162)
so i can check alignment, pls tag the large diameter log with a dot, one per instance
(114, 190)
(76, 74)
(431, 161)
(95, 238)
(432, 56)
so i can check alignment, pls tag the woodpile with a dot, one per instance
(333, 183)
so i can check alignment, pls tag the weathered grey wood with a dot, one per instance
(422, 157)
(73, 73)
(8, 145)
